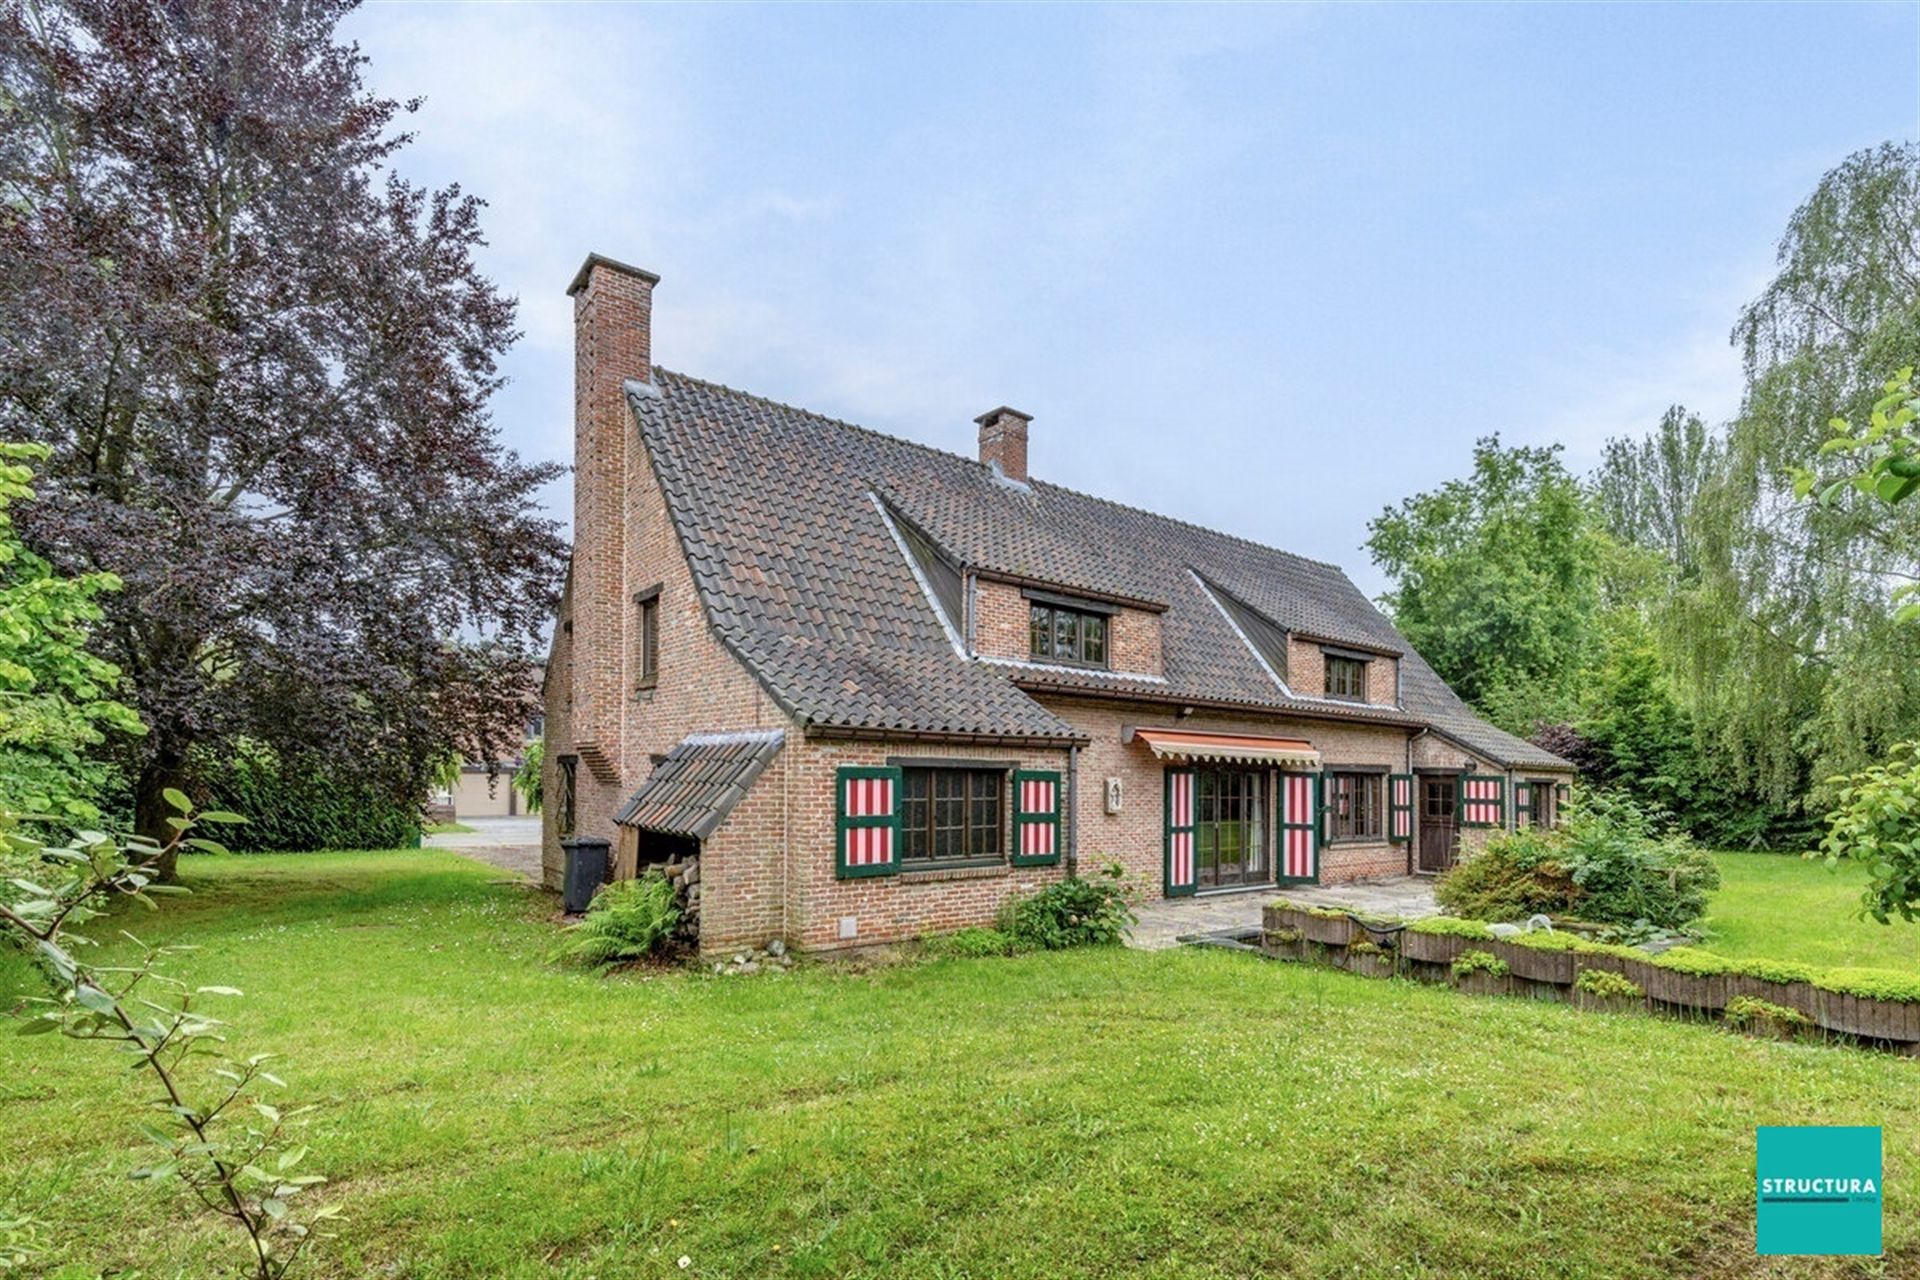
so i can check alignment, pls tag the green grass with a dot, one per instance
(1781, 907)
(1108, 1113)
(447, 829)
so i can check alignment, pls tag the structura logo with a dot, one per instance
(1818, 1189)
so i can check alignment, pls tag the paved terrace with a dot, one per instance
(1166, 922)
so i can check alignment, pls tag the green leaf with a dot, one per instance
(219, 991)
(221, 815)
(92, 997)
(178, 799)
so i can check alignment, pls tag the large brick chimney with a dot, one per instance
(612, 344)
(1003, 441)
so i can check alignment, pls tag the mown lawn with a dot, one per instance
(1782, 907)
(1094, 1114)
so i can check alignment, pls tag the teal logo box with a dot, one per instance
(1818, 1189)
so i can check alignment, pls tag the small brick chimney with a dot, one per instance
(612, 344)
(1003, 441)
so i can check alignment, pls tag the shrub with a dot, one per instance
(1609, 863)
(627, 920)
(1479, 962)
(1517, 874)
(1876, 822)
(298, 806)
(1599, 982)
(1743, 1011)
(1071, 913)
(971, 942)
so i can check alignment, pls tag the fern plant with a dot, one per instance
(627, 920)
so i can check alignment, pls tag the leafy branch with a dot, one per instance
(240, 1169)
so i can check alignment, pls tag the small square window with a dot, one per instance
(1059, 634)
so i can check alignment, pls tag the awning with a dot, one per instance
(692, 791)
(1239, 748)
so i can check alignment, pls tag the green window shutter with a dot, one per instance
(1181, 863)
(1483, 800)
(1036, 817)
(1562, 794)
(1523, 803)
(1299, 828)
(867, 827)
(1326, 798)
(1400, 807)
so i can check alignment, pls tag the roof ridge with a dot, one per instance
(903, 441)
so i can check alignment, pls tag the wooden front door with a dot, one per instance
(1439, 822)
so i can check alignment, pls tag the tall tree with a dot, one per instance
(262, 362)
(1649, 489)
(1791, 664)
(1496, 580)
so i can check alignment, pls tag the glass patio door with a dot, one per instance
(1230, 831)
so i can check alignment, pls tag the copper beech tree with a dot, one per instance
(262, 363)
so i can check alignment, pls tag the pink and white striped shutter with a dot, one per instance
(1523, 804)
(1483, 800)
(867, 805)
(1299, 827)
(1180, 877)
(1036, 818)
(1400, 808)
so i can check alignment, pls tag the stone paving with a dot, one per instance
(1164, 923)
(512, 844)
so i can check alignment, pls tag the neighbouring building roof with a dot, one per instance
(692, 791)
(819, 548)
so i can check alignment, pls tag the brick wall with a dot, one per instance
(625, 544)
(1134, 836)
(892, 908)
(1307, 673)
(1000, 630)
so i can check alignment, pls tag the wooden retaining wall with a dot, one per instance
(1343, 942)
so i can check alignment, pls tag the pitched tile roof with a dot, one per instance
(783, 517)
(692, 791)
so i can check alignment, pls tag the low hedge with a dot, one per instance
(1871, 984)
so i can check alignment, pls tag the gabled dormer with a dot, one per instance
(1309, 666)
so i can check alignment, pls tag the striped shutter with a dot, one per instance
(867, 803)
(1562, 793)
(1400, 807)
(1522, 803)
(1180, 870)
(1299, 828)
(1483, 800)
(1036, 818)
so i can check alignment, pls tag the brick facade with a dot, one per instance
(768, 870)
(1001, 614)
(1307, 673)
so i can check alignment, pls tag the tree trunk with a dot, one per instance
(165, 768)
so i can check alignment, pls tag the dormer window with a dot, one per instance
(1346, 678)
(1064, 631)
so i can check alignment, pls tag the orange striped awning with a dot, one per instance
(1238, 748)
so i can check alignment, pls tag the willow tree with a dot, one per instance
(1795, 665)
(262, 363)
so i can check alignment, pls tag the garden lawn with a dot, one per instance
(1103, 1113)
(1782, 907)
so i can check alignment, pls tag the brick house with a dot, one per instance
(874, 688)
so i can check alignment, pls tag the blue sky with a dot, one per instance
(1268, 269)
